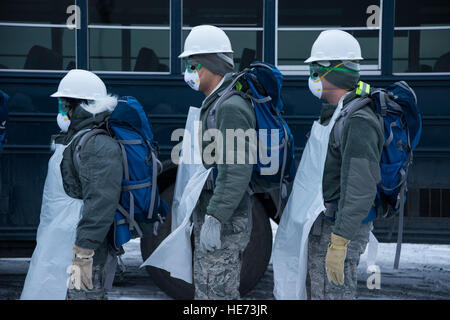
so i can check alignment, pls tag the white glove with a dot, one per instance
(210, 234)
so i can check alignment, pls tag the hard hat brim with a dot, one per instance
(188, 53)
(58, 94)
(314, 59)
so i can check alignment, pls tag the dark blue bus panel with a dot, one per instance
(133, 46)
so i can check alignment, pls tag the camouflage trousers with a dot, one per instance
(317, 285)
(217, 274)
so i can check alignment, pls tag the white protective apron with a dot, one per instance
(174, 254)
(290, 251)
(50, 264)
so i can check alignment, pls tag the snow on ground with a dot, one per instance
(424, 273)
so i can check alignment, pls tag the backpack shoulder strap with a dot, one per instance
(82, 142)
(211, 121)
(344, 115)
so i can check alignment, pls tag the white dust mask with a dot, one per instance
(191, 76)
(63, 122)
(315, 86)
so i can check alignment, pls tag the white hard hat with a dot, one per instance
(81, 84)
(206, 39)
(335, 45)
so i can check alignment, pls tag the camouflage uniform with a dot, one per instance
(217, 274)
(318, 286)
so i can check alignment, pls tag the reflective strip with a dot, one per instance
(363, 88)
(136, 186)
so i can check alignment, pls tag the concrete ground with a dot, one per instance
(424, 273)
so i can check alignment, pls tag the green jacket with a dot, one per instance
(352, 173)
(98, 182)
(229, 197)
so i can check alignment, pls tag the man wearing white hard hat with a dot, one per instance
(351, 170)
(221, 216)
(328, 218)
(78, 203)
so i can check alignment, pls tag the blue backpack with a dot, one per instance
(4, 98)
(139, 200)
(399, 116)
(261, 83)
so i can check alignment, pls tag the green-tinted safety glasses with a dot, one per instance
(316, 69)
(64, 106)
(191, 67)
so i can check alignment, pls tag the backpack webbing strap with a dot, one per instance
(131, 221)
(211, 122)
(406, 86)
(126, 172)
(136, 186)
(345, 114)
(154, 181)
(400, 227)
(402, 180)
(90, 133)
(283, 188)
(130, 142)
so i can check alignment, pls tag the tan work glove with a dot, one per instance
(334, 261)
(81, 272)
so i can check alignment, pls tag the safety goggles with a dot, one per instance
(63, 106)
(316, 69)
(191, 67)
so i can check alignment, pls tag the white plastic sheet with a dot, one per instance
(48, 272)
(290, 251)
(372, 252)
(189, 164)
(174, 254)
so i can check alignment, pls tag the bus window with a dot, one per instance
(242, 21)
(129, 36)
(422, 36)
(300, 23)
(36, 37)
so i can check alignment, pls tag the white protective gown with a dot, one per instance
(50, 264)
(290, 251)
(174, 254)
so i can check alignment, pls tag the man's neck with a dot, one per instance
(213, 85)
(333, 97)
